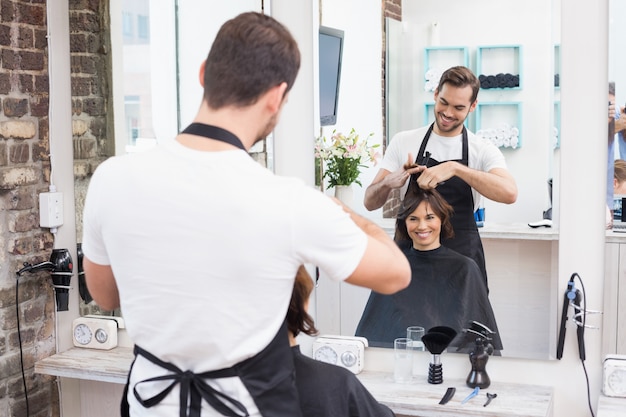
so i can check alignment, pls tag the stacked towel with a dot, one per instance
(432, 77)
(499, 81)
(555, 137)
(503, 136)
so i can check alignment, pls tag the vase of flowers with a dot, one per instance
(342, 157)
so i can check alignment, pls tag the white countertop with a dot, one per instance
(520, 231)
(611, 406)
(405, 399)
(91, 364)
(421, 398)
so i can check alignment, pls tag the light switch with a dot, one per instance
(51, 209)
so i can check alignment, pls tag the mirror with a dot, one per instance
(522, 269)
(93, 143)
(617, 74)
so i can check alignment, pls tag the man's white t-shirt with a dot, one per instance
(204, 247)
(482, 154)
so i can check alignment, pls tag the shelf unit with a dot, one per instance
(556, 137)
(500, 59)
(500, 115)
(557, 66)
(439, 58)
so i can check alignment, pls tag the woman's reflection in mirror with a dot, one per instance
(446, 289)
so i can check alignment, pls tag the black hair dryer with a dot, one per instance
(60, 267)
(61, 276)
(83, 291)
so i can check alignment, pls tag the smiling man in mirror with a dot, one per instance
(462, 166)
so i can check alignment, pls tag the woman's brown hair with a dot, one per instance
(298, 319)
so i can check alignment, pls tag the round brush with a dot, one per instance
(436, 342)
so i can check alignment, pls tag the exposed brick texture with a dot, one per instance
(393, 10)
(24, 173)
(91, 104)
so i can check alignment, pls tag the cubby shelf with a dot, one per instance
(557, 66)
(500, 122)
(437, 59)
(556, 133)
(499, 66)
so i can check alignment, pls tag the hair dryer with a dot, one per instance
(60, 267)
(83, 291)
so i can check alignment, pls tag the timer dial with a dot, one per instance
(348, 358)
(82, 334)
(101, 335)
(326, 354)
(616, 381)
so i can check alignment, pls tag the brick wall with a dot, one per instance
(92, 111)
(391, 9)
(24, 173)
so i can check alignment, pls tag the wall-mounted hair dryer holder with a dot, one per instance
(60, 267)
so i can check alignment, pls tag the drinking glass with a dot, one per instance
(403, 360)
(415, 333)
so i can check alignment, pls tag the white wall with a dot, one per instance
(617, 57)
(202, 21)
(360, 94)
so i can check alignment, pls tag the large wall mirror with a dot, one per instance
(522, 272)
(523, 293)
(617, 68)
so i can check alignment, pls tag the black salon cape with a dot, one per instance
(332, 391)
(446, 289)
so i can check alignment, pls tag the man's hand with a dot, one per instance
(398, 178)
(437, 175)
(620, 124)
(377, 192)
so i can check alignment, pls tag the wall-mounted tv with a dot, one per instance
(330, 54)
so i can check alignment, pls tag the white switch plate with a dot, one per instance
(51, 209)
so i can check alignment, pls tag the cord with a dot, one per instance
(19, 338)
(583, 308)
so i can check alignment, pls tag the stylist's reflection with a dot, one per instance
(447, 288)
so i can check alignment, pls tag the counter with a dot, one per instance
(404, 399)
(421, 398)
(518, 231)
(611, 406)
(89, 364)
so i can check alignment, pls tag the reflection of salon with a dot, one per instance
(526, 267)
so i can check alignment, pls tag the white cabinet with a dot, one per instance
(614, 335)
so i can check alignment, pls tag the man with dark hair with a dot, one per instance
(199, 244)
(460, 165)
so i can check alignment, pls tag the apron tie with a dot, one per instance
(193, 388)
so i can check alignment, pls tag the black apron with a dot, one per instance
(458, 194)
(269, 376)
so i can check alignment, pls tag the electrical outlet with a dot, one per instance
(51, 209)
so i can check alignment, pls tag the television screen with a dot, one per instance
(330, 52)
